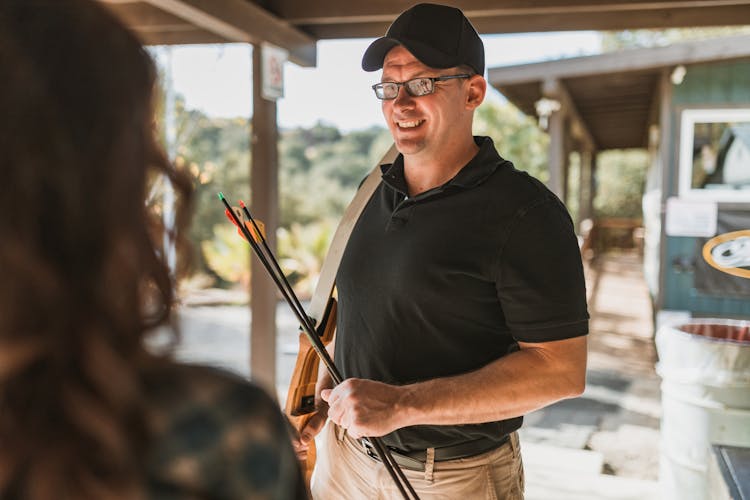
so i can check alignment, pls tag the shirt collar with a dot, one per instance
(479, 168)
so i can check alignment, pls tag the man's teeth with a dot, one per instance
(410, 124)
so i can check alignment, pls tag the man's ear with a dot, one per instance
(477, 89)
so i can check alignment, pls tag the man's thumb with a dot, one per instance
(305, 437)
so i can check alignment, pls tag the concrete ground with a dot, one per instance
(604, 444)
(617, 418)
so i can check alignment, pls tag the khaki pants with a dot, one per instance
(344, 472)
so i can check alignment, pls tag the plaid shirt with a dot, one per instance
(217, 437)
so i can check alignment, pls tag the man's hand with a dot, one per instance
(312, 428)
(365, 407)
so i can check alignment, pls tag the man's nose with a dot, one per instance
(403, 97)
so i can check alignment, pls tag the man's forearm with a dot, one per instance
(521, 382)
(526, 380)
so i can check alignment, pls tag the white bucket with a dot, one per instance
(705, 371)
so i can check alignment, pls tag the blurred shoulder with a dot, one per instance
(216, 431)
(175, 385)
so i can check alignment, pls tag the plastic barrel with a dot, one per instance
(705, 370)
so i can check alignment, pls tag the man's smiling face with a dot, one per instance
(422, 125)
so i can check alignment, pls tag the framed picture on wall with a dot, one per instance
(715, 154)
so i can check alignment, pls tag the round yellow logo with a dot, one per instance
(729, 253)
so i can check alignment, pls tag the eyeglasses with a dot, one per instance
(416, 87)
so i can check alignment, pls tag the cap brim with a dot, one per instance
(374, 56)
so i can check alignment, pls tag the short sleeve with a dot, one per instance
(539, 279)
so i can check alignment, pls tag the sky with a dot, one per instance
(216, 79)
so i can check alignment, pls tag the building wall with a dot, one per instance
(718, 85)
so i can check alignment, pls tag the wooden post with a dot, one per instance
(264, 204)
(567, 150)
(666, 144)
(592, 184)
(584, 188)
(557, 153)
(564, 123)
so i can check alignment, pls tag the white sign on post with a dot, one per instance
(691, 218)
(272, 71)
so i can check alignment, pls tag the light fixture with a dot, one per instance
(544, 108)
(678, 74)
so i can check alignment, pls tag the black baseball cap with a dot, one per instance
(438, 35)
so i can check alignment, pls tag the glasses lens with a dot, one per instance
(420, 86)
(386, 90)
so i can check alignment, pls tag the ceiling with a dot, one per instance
(297, 24)
(614, 94)
(341, 18)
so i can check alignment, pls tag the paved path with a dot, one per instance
(614, 425)
(618, 414)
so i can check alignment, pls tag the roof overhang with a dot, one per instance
(167, 22)
(297, 24)
(345, 19)
(612, 94)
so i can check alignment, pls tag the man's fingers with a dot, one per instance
(300, 450)
(313, 428)
(308, 435)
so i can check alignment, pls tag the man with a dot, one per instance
(461, 294)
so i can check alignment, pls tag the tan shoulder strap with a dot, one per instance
(330, 267)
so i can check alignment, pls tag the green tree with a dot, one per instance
(216, 154)
(302, 249)
(618, 40)
(516, 136)
(320, 170)
(620, 179)
(227, 255)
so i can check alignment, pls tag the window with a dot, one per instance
(715, 155)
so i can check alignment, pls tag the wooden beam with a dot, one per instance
(345, 11)
(181, 37)
(346, 19)
(156, 27)
(733, 47)
(353, 30)
(264, 189)
(732, 15)
(153, 26)
(141, 16)
(243, 21)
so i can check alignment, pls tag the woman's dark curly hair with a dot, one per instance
(83, 280)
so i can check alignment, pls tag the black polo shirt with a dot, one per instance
(447, 281)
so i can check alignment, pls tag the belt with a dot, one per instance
(415, 460)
